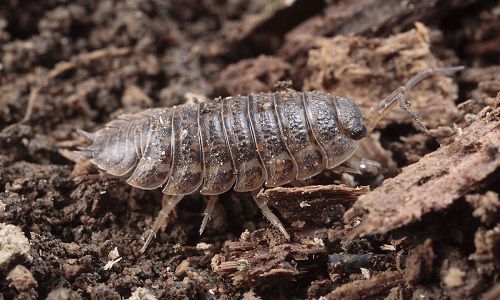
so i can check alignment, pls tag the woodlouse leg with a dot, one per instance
(261, 203)
(398, 96)
(169, 203)
(207, 214)
(356, 165)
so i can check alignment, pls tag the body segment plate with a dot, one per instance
(187, 165)
(322, 117)
(153, 168)
(250, 171)
(219, 176)
(307, 154)
(279, 163)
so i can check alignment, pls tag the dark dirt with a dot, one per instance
(67, 231)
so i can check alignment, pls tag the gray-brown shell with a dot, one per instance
(241, 142)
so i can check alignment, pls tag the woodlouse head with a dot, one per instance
(350, 118)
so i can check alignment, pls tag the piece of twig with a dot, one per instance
(65, 66)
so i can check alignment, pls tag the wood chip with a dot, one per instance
(319, 204)
(377, 285)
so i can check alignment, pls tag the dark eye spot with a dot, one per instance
(358, 132)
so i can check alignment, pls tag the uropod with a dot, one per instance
(242, 142)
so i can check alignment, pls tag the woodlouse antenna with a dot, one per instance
(398, 96)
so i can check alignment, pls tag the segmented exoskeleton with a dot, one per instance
(244, 142)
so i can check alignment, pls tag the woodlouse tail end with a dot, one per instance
(88, 136)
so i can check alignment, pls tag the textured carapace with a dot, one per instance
(243, 141)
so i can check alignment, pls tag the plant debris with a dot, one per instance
(319, 204)
(379, 284)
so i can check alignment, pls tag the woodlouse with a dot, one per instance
(243, 142)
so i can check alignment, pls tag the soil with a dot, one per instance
(421, 221)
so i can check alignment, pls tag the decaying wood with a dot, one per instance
(436, 181)
(485, 80)
(420, 263)
(486, 207)
(264, 28)
(343, 264)
(261, 258)
(492, 294)
(377, 285)
(320, 204)
(350, 18)
(252, 75)
(487, 244)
